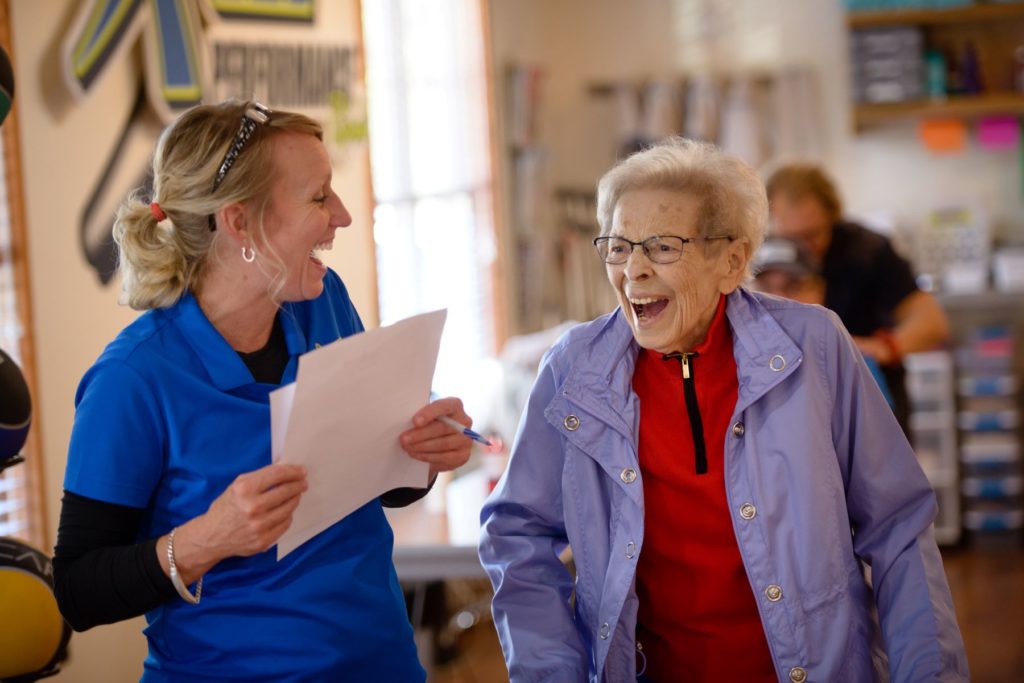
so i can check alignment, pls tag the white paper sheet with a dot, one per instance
(342, 416)
(280, 411)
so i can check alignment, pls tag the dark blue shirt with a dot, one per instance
(165, 420)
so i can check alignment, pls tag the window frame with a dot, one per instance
(34, 510)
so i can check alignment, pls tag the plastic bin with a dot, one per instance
(992, 486)
(992, 385)
(990, 451)
(987, 421)
(993, 520)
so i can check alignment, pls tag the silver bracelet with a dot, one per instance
(179, 585)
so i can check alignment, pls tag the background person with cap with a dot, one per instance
(783, 268)
(869, 285)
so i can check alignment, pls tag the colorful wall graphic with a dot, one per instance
(196, 51)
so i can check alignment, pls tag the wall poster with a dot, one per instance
(294, 54)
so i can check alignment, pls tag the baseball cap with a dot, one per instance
(785, 255)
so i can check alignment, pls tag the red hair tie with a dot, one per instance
(157, 212)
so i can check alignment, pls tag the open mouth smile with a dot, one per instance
(326, 245)
(647, 308)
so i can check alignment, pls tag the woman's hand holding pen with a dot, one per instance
(435, 442)
(249, 517)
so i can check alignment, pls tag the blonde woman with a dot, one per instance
(171, 502)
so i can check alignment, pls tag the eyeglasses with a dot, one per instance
(661, 249)
(255, 115)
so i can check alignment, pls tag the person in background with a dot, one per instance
(720, 463)
(869, 285)
(171, 504)
(783, 268)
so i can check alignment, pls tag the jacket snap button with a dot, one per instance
(773, 593)
(747, 511)
(572, 423)
(605, 630)
(777, 363)
(630, 550)
(738, 429)
(797, 674)
(628, 475)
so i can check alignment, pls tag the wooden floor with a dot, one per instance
(988, 592)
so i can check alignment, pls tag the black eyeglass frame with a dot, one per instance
(683, 241)
(255, 115)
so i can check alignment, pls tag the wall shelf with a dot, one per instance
(994, 30)
(953, 106)
(991, 300)
(923, 16)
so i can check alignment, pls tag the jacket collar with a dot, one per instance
(765, 354)
(601, 376)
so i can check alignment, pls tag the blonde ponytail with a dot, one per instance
(158, 261)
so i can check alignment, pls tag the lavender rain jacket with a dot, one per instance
(818, 475)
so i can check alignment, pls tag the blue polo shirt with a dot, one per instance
(165, 420)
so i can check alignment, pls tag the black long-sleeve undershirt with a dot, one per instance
(100, 574)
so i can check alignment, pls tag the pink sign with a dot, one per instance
(998, 132)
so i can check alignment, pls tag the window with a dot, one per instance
(21, 502)
(430, 147)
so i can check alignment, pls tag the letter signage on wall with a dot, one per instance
(207, 51)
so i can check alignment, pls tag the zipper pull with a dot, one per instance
(686, 365)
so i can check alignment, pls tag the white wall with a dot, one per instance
(583, 41)
(64, 146)
(578, 43)
(882, 169)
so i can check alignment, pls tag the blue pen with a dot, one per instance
(463, 429)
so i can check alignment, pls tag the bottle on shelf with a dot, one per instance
(935, 74)
(970, 72)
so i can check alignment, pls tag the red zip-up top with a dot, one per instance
(698, 619)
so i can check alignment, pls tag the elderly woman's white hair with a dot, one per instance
(732, 196)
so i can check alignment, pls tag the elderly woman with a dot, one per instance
(172, 506)
(721, 464)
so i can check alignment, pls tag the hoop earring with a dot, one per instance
(250, 255)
